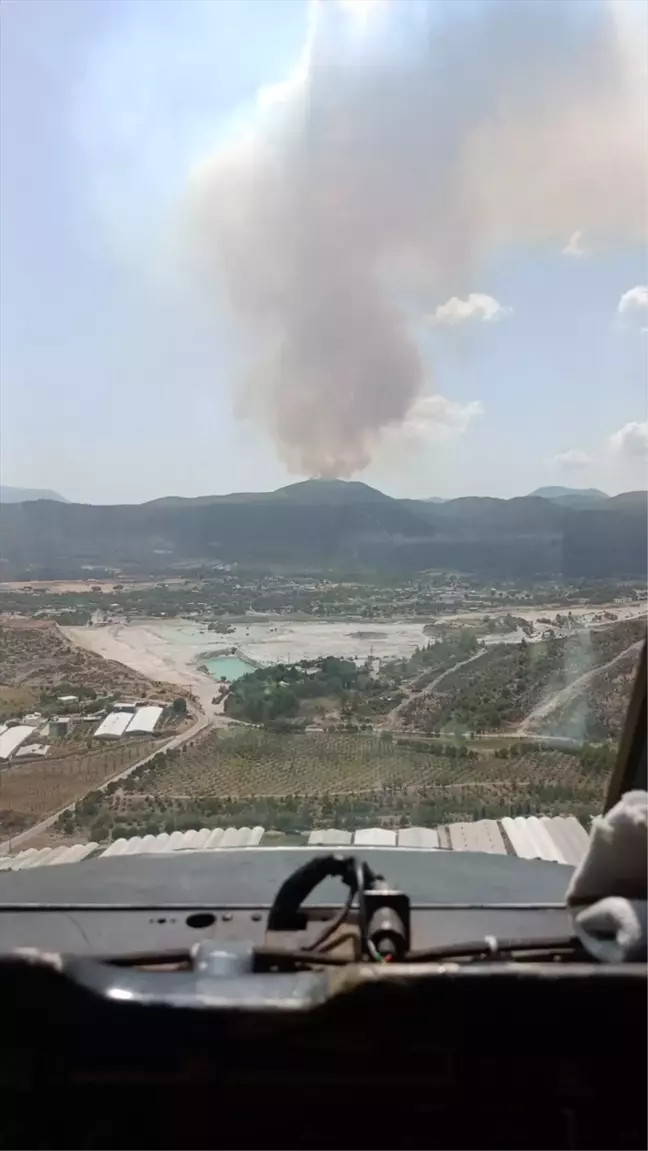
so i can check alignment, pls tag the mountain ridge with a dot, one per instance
(11, 495)
(330, 525)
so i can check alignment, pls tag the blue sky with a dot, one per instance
(117, 385)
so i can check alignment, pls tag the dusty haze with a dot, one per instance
(375, 180)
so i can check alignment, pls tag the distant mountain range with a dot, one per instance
(572, 497)
(23, 495)
(332, 525)
(569, 497)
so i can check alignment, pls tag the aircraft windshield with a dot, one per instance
(323, 360)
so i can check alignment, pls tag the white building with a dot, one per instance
(144, 721)
(37, 749)
(114, 725)
(12, 739)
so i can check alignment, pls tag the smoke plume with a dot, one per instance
(375, 181)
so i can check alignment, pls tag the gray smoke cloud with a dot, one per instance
(375, 181)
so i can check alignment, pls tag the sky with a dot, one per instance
(154, 251)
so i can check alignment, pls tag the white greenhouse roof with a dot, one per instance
(145, 719)
(12, 738)
(113, 725)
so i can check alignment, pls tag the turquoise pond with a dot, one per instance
(229, 666)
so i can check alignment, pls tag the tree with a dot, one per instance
(180, 705)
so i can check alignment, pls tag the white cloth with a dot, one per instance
(614, 929)
(612, 878)
(616, 862)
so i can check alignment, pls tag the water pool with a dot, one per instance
(228, 666)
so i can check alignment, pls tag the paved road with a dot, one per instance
(10, 845)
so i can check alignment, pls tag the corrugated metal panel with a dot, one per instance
(556, 831)
(579, 835)
(159, 843)
(133, 845)
(483, 835)
(460, 837)
(35, 857)
(229, 838)
(569, 841)
(45, 856)
(519, 838)
(76, 853)
(375, 837)
(144, 720)
(562, 839)
(200, 838)
(20, 860)
(188, 841)
(147, 843)
(114, 725)
(329, 836)
(56, 854)
(547, 847)
(117, 847)
(12, 738)
(491, 836)
(213, 839)
(575, 836)
(193, 840)
(244, 837)
(427, 837)
(176, 840)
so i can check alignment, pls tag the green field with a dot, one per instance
(294, 782)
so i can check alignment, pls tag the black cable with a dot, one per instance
(356, 876)
(360, 875)
(339, 941)
(332, 925)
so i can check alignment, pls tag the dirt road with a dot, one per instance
(393, 717)
(541, 710)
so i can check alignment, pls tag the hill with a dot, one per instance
(572, 497)
(329, 492)
(329, 525)
(556, 492)
(21, 495)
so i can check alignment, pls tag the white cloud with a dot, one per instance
(634, 300)
(476, 307)
(631, 441)
(436, 418)
(572, 460)
(574, 246)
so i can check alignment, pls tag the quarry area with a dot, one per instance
(176, 650)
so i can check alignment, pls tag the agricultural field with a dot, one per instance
(33, 789)
(291, 783)
(498, 690)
